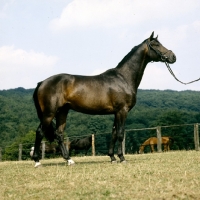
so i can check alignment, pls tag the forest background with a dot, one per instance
(18, 121)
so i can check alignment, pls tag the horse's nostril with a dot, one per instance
(174, 57)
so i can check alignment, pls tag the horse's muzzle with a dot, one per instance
(171, 58)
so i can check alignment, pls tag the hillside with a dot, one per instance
(154, 107)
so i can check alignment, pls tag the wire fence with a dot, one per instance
(133, 138)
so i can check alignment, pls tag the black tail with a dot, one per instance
(49, 133)
(171, 140)
(35, 99)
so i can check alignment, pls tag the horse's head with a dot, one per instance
(157, 52)
(141, 150)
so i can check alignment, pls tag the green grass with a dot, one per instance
(172, 175)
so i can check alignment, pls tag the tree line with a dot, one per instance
(18, 118)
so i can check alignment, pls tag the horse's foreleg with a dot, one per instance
(38, 139)
(152, 148)
(120, 145)
(112, 145)
(121, 117)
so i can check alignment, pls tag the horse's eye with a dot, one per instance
(156, 44)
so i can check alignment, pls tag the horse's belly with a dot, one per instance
(92, 107)
(93, 111)
(98, 101)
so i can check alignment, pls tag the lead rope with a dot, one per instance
(170, 70)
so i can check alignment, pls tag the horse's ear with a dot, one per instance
(151, 37)
(157, 37)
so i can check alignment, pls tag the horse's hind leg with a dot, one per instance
(60, 126)
(86, 151)
(152, 148)
(38, 139)
(112, 144)
(167, 147)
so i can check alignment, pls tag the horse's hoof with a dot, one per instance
(113, 162)
(70, 162)
(123, 162)
(37, 164)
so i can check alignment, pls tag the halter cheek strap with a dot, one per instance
(162, 55)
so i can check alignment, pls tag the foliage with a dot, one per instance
(12, 151)
(17, 114)
(153, 108)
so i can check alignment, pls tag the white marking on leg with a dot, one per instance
(70, 162)
(37, 164)
(31, 153)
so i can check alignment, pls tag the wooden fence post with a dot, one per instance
(196, 136)
(93, 145)
(159, 147)
(43, 149)
(20, 152)
(0, 154)
(124, 144)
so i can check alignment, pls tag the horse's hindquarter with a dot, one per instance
(165, 140)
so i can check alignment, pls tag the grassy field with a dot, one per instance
(172, 175)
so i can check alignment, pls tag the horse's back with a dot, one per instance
(152, 140)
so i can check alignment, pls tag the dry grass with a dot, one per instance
(173, 175)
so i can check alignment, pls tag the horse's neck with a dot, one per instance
(133, 69)
(147, 142)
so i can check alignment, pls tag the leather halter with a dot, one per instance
(162, 55)
(164, 59)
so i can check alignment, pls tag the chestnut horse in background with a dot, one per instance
(166, 142)
(112, 92)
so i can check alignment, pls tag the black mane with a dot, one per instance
(129, 55)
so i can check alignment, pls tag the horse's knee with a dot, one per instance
(39, 133)
(120, 137)
(59, 137)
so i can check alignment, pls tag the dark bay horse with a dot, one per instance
(112, 92)
(152, 141)
(81, 144)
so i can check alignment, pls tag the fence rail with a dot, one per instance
(157, 129)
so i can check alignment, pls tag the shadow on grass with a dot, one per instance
(64, 163)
